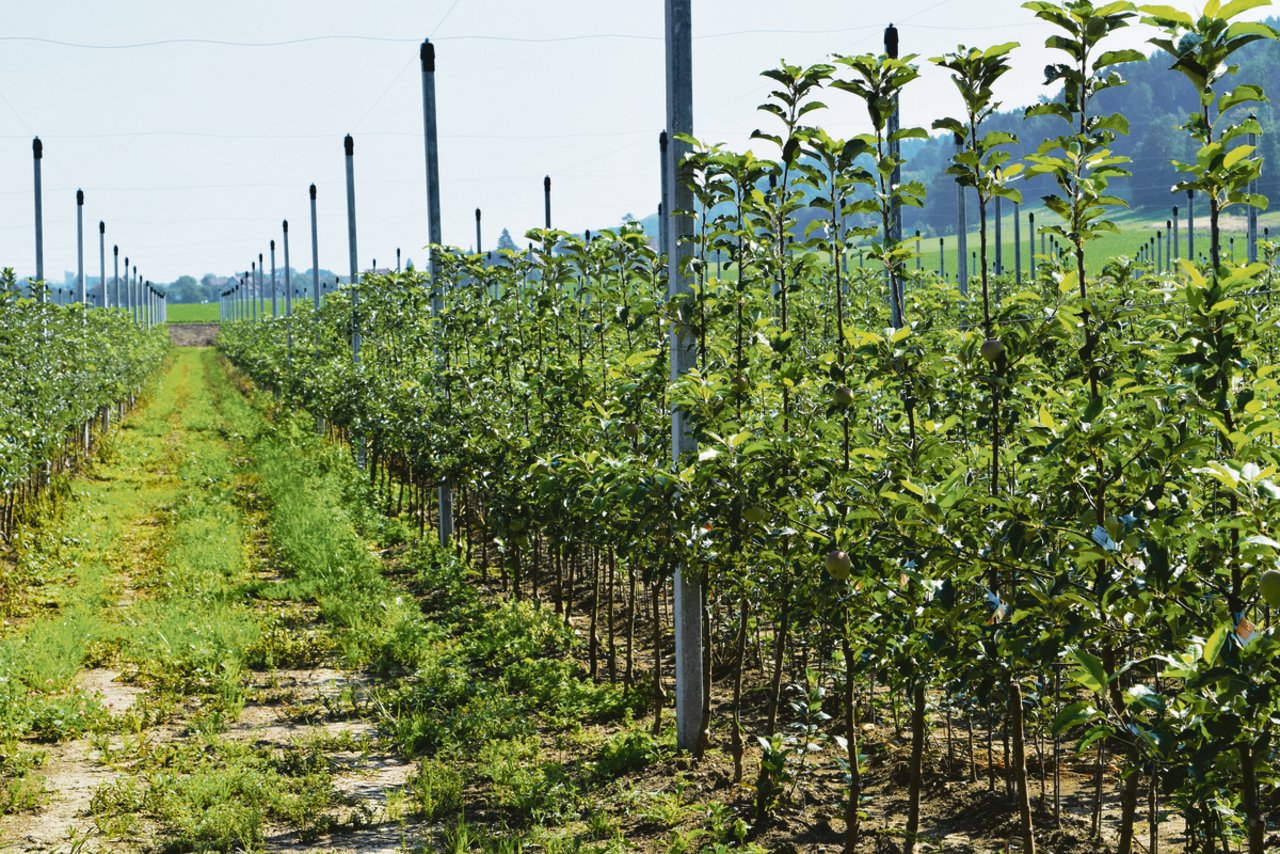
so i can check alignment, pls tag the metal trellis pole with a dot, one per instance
(37, 149)
(431, 151)
(688, 585)
(81, 297)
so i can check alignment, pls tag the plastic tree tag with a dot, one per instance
(1246, 631)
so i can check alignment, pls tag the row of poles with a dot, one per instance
(1161, 250)
(1158, 252)
(246, 299)
(134, 294)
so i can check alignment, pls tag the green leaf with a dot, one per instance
(1213, 646)
(911, 487)
(1235, 7)
(1092, 737)
(1092, 674)
(999, 50)
(1072, 716)
(1115, 57)
(1236, 154)
(1170, 14)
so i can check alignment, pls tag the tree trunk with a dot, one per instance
(1256, 825)
(851, 828)
(557, 559)
(593, 632)
(1096, 823)
(613, 637)
(704, 740)
(659, 695)
(1129, 809)
(779, 652)
(740, 651)
(917, 762)
(1020, 767)
(631, 625)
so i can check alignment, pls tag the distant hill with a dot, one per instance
(1156, 101)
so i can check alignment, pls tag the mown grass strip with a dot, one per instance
(484, 687)
(151, 572)
(82, 560)
(193, 640)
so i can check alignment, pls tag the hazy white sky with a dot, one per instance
(193, 152)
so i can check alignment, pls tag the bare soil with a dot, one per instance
(958, 815)
(293, 705)
(72, 771)
(193, 334)
(71, 774)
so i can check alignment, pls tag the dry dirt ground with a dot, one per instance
(193, 334)
(365, 776)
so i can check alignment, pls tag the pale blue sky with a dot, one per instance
(194, 152)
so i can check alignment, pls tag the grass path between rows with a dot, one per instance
(146, 704)
(228, 649)
(153, 517)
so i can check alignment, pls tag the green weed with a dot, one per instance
(211, 795)
(625, 753)
(20, 791)
(437, 789)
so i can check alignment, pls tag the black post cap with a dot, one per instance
(891, 41)
(427, 53)
(286, 226)
(546, 183)
(348, 145)
(79, 197)
(273, 246)
(1175, 210)
(37, 148)
(1031, 217)
(102, 227)
(115, 250)
(662, 139)
(273, 243)
(477, 219)
(313, 192)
